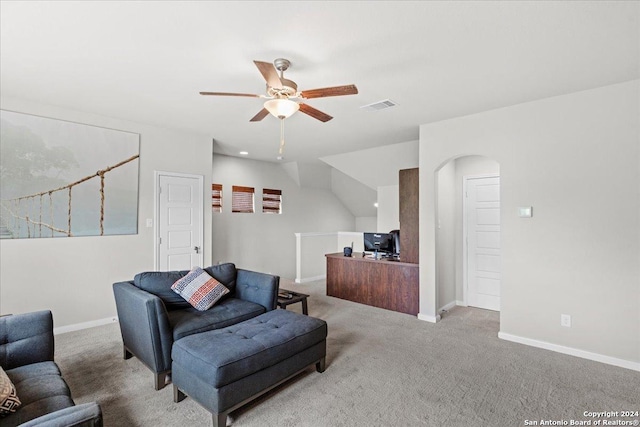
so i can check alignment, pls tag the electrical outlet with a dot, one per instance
(149, 223)
(565, 320)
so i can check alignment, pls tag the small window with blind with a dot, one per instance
(216, 197)
(271, 201)
(242, 199)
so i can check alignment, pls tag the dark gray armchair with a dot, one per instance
(152, 316)
(26, 355)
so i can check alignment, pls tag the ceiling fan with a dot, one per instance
(282, 92)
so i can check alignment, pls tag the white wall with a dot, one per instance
(379, 166)
(73, 276)
(377, 169)
(449, 234)
(388, 209)
(350, 238)
(311, 249)
(366, 223)
(353, 194)
(445, 235)
(574, 158)
(267, 242)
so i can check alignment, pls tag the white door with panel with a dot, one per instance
(179, 219)
(482, 232)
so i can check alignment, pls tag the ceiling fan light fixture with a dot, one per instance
(281, 108)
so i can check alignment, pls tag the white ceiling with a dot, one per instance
(146, 62)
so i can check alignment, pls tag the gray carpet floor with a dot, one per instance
(383, 369)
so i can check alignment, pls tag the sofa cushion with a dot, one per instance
(26, 338)
(226, 312)
(159, 283)
(226, 355)
(200, 289)
(41, 389)
(9, 400)
(33, 370)
(224, 273)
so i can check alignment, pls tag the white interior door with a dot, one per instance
(179, 220)
(482, 229)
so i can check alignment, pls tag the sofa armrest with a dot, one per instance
(86, 415)
(26, 338)
(144, 325)
(260, 288)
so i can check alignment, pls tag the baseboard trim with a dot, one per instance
(634, 366)
(427, 318)
(84, 325)
(447, 307)
(310, 279)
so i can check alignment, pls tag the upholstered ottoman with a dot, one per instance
(225, 368)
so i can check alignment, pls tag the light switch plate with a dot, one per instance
(525, 212)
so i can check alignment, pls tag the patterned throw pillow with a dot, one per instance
(9, 401)
(200, 289)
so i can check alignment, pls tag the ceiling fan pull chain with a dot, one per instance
(281, 136)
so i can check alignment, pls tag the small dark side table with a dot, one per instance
(286, 297)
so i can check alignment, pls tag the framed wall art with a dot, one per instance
(65, 179)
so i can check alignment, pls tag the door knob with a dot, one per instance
(197, 249)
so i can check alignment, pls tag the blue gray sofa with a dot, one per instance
(152, 316)
(26, 355)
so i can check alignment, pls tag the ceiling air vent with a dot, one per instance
(380, 105)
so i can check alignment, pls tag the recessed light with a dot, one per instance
(244, 153)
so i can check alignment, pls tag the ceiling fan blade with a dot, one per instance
(269, 73)
(315, 113)
(261, 115)
(330, 91)
(230, 94)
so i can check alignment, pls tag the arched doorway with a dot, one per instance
(467, 246)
